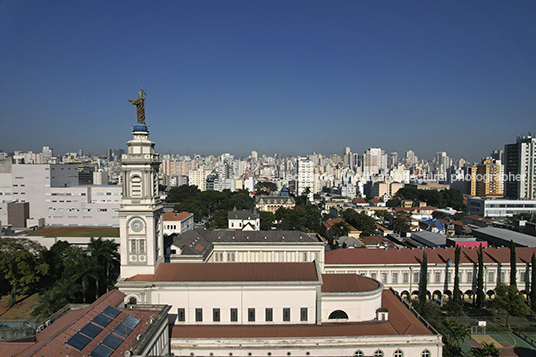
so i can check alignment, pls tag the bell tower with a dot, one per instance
(140, 213)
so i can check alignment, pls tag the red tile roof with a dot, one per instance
(418, 209)
(52, 340)
(359, 200)
(338, 283)
(182, 272)
(170, 216)
(375, 240)
(401, 322)
(330, 223)
(382, 228)
(438, 255)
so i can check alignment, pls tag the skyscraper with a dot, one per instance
(520, 165)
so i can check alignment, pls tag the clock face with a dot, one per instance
(137, 225)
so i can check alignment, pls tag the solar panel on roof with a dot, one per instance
(91, 330)
(101, 351)
(122, 330)
(102, 320)
(111, 311)
(131, 321)
(112, 341)
(78, 341)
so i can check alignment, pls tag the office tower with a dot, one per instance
(520, 167)
(347, 156)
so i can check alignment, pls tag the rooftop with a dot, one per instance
(401, 322)
(338, 283)
(170, 216)
(414, 256)
(230, 272)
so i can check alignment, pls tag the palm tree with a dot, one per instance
(105, 257)
(79, 266)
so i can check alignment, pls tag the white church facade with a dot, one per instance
(255, 304)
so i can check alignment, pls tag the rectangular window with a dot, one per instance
(234, 315)
(469, 276)
(216, 315)
(251, 315)
(181, 315)
(405, 277)
(269, 314)
(373, 276)
(384, 278)
(395, 278)
(491, 276)
(303, 314)
(286, 314)
(503, 274)
(199, 315)
(437, 277)
(416, 277)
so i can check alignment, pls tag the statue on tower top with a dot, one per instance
(140, 106)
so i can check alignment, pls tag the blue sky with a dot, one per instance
(292, 77)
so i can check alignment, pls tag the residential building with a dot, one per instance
(489, 178)
(177, 223)
(520, 168)
(306, 177)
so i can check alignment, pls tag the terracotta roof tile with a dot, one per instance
(52, 340)
(401, 322)
(189, 272)
(347, 283)
(170, 216)
(438, 255)
(328, 224)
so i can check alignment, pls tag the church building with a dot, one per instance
(244, 306)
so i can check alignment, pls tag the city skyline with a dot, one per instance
(275, 77)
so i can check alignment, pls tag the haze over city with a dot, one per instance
(292, 77)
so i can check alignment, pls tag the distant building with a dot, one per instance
(273, 203)
(499, 208)
(177, 223)
(520, 168)
(244, 220)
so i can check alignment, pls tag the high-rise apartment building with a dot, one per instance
(520, 168)
(305, 176)
(489, 178)
(374, 161)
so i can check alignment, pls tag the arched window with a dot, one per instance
(135, 186)
(359, 353)
(338, 314)
(425, 353)
(133, 301)
(378, 353)
(398, 353)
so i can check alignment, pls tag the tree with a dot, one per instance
(79, 268)
(509, 302)
(361, 221)
(267, 220)
(457, 253)
(56, 297)
(424, 279)
(533, 282)
(453, 336)
(401, 223)
(218, 220)
(105, 257)
(182, 193)
(513, 266)
(487, 350)
(21, 264)
(480, 279)
(340, 229)
(266, 187)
